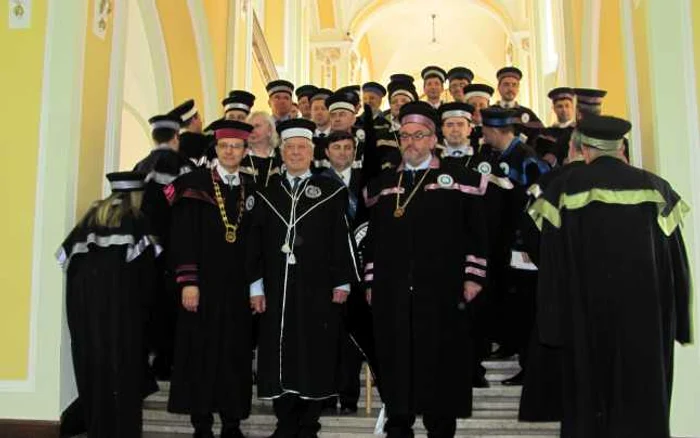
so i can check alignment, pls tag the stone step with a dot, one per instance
(494, 408)
(264, 420)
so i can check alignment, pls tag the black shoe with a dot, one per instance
(480, 382)
(232, 432)
(199, 433)
(502, 353)
(348, 409)
(516, 380)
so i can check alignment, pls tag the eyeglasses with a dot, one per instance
(229, 146)
(420, 135)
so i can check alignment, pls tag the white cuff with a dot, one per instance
(344, 287)
(257, 289)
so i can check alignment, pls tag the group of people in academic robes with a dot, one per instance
(414, 239)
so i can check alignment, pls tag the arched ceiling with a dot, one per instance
(398, 33)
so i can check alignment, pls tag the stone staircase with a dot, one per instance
(495, 414)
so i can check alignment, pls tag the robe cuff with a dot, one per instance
(187, 275)
(369, 274)
(475, 269)
(257, 289)
(344, 287)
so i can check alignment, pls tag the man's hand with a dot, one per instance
(471, 290)
(190, 298)
(340, 296)
(368, 296)
(258, 304)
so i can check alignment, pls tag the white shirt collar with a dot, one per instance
(345, 175)
(223, 173)
(508, 104)
(324, 132)
(303, 176)
(395, 125)
(425, 164)
(465, 149)
(252, 153)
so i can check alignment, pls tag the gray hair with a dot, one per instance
(274, 136)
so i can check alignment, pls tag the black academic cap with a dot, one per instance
(165, 121)
(306, 91)
(374, 87)
(402, 88)
(401, 77)
(455, 109)
(185, 111)
(478, 90)
(497, 117)
(419, 112)
(589, 98)
(603, 132)
(433, 71)
(562, 93)
(279, 86)
(126, 181)
(239, 100)
(460, 73)
(352, 92)
(296, 128)
(509, 72)
(321, 93)
(341, 101)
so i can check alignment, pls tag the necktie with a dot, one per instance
(410, 177)
(231, 179)
(295, 184)
(321, 135)
(456, 153)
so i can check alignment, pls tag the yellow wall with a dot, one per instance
(576, 8)
(646, 110)
(217, 20)
(94, 115)
(274, 29)
(21, 88)
(180, 44)
(366, 54)
(611, 67)
(258, 89)
(326, 14)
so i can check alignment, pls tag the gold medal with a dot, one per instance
(231, 229)
(230, 236)
(400, 209)
(399, 212)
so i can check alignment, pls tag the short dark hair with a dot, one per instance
(335, 136)
(163, 135)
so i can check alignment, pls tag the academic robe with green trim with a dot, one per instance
(212, 369)
(614, 293)
(300, 329)
(416, 265)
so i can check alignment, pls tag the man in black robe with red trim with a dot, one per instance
(211, 217)
(422, 278)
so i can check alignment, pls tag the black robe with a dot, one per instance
(261, 169)
(542, 395)
(614, 293)
(212, 367)
(194, 146)
(299, 331)
(417, 273)
(109, 280)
